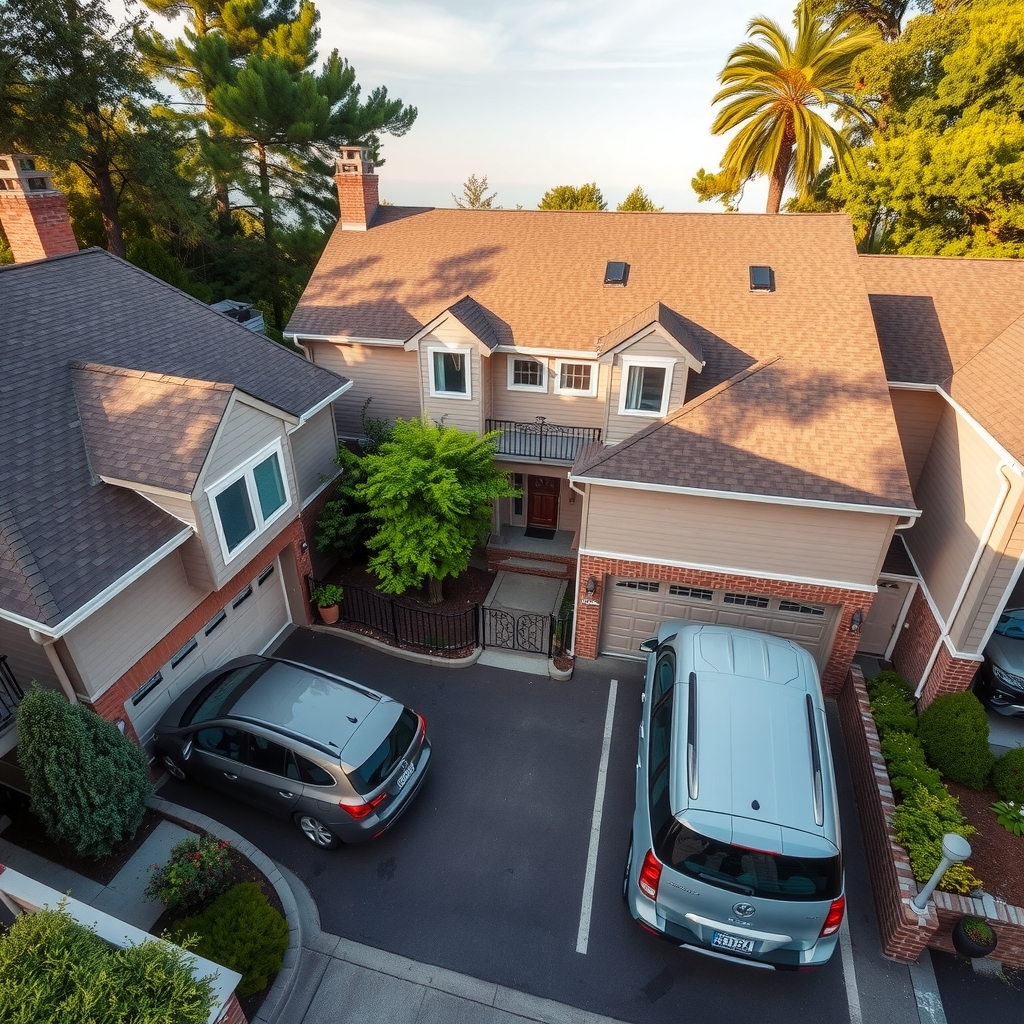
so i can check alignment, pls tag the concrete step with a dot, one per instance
(535, 565)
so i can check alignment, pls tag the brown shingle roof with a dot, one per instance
(480, 322)
(658, 313)
(147, 428)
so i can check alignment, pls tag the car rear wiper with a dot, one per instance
(739, 887)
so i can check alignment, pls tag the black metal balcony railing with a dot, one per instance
(541, 440)
(10, 692)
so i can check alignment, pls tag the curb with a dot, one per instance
(399, 652)
(286, 977)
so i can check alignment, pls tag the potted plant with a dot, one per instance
(327, 598)
(974, 937)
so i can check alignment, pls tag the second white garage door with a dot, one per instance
(633, 610)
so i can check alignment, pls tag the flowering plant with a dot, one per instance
(197, 871)
(1010, 816)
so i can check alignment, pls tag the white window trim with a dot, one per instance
(559, 390)
(465, 350)
(536, 388)
(244, 471)
(655, 361)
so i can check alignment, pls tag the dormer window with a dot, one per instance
(645, 386)
(526, 374)
(449, 372)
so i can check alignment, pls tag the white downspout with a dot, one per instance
(576, 595)
(47, 642)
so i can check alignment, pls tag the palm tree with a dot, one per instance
(773, 92)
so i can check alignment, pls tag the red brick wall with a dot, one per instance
(588, 616)
(36, 225)
(357, 197)
(948, 675)
(287, 544)
(1007, 923)
(232, 1012)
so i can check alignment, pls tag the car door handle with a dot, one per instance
(285, 794)
(228, 775)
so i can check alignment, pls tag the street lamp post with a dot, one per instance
(955, 850)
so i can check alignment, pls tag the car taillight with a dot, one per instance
(835, 917)
(650, 876)
(360, 811)
(423, 724)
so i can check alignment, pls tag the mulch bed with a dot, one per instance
(463, 592)
(998, 857)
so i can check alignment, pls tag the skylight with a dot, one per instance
(762, 279)
(616, 273)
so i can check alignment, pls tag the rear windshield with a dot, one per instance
(750, 872)
(218, 697)
(377, 767)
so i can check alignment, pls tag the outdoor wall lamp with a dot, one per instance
(591, 587)
(857, 620)
(303, 547)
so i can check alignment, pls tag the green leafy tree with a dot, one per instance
(474, 195)
(430, 491)
(87, 781)
(775, 92)
(885, 15)
(638, 201)
(344, 524)
(573, 197)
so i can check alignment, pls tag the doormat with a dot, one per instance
(539, 534)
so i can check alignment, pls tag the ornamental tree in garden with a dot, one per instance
(429, 490)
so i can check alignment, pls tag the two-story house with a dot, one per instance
(161, 470)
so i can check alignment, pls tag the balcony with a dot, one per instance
(540, 440)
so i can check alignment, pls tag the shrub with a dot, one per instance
(908, 769)
(197, 871)
(888, 679)
(54, 969)
(920, 822)
(88, 782)
(893, 710)
(1008, 775)
(242, 931)
(954, 733)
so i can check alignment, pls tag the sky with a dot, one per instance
(536, 93)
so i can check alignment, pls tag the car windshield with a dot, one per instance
(771, 876)
(219, 696)
(377, 767)
(1011, 623)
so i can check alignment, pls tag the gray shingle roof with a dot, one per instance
(483, 324)
(64, 537)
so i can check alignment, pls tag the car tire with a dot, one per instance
(316, 832)
(625, 873)
(173, 768)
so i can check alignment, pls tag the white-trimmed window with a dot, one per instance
(249, 499)
(573, 378)
(450, 372)
(645, 386)
(526, 374)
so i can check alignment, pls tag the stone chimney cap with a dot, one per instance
(353, 160)
(19, 173)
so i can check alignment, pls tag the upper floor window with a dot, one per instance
(449, 372)
(645, 387)
(576, 378)
(526, 375)
(249, 499)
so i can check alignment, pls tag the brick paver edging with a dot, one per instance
(286, 977)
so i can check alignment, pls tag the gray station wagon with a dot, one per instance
(341, 760)
(735, 850)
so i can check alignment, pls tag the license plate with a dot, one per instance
(406, 775)
(723, 940)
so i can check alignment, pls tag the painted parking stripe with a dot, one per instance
(926, 990)
(849, 973)
(583, 935)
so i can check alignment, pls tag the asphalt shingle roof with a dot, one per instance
(64, 536)
(658, 313)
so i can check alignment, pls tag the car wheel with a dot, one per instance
(317, 832)
(625, 873)
(173, 768)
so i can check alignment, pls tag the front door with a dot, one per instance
(542, 506)
(882, 620)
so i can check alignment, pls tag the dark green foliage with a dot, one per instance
(887, 679)
(344, 524)
(954, 733)
(573, 197)
(196, 872)
(149, 255)
(908, 769)
(1008, 776)
(242, 931)
(893, 709)
(88, 783)
(920, 823)
(55, 971)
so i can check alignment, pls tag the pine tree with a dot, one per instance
(573, 197)
(638, 201)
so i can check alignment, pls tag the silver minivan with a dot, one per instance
(735, 850)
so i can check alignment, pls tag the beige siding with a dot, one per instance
(27, 659)
(956, 492)
(195, 560)
(244, 432)
(526, 406)
(917, 415)
(177, 505)
(466, 414)
(314, 448)
(784, 540)
(618, 426)
(114, 637)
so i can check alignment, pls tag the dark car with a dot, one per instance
(1000, 681)
(341, 760)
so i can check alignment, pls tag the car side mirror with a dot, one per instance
(650, 645)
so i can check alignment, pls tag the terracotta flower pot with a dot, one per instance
(330, 614)
(974, 937)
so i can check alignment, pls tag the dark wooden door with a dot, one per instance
(542, 507)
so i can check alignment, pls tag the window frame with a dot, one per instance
(453, 350)
(559, 390)
(654, 362)
(245, 472)
(540, 388)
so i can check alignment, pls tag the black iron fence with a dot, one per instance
(10, 692)
(530, 632)
(541, 440)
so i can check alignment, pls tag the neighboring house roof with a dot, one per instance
(685, 334)
(957, 323)
(64, 537)
(147, 428)
(829, 419)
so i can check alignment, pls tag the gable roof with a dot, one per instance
(64, 536)
(682, 333)
(483, 325)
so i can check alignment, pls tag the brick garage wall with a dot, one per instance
(321, 562)
(36, 226)
(948, 675)
(110, 704)
(588, 607)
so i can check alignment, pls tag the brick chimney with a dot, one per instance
(357, 188)
(33, 213)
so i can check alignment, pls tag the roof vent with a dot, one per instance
(762, 279)
(616, 273)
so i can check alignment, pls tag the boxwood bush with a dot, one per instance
(908, 769)
(1008, 776)
(954, 733)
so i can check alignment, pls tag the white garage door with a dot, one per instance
(633, 610)
(245, 625)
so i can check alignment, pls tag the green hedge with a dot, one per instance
(904, 757)
(892, 705)
(954, 733)
(1008, 775)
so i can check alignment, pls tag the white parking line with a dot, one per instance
(849, 974)
(583, 935)
(926, 990)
